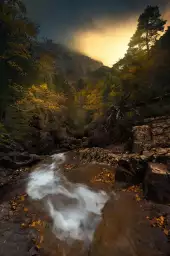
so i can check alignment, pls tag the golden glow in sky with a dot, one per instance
(109, 41)
(108, 44)
(167, 16)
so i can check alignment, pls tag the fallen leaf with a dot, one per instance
(166, 232)
(22, 198)
(39, 222)
(41, 239)
(33, 224)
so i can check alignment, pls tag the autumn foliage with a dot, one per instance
(39, 109)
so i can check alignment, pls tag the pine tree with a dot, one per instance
(150, 25)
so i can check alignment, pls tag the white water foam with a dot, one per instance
(74, 208)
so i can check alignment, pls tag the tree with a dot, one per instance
(136, 71)
(46, 68)
(17, 33)
(150, 24)
(161, 64)
(40, 109)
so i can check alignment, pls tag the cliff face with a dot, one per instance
(155, 132)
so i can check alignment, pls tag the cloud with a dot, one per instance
(98, 28)
(59, 17)
(107, 44)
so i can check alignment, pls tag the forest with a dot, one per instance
(41, 106)
(84, 148)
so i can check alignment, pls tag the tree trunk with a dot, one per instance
(147, 43)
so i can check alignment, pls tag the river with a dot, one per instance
(64, 208)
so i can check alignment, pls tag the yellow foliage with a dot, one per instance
(40, 108)
(43, 103)
(89, 98)
(40, 97)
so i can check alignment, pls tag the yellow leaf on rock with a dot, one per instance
(33, 224)
(39, 222)
(41, 239)
(138, 198)
(166, 232)
(22, 198)
(162, 218)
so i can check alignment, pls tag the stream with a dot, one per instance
(61, 207)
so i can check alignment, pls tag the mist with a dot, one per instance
(98, 29)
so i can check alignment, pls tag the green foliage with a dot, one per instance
(148, 28)
(88, 104)
(36, 99)
(137, 72)
(17, 34)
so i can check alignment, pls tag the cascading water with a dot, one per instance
(74, 208)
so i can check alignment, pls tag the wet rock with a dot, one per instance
(117, 149)
(16, 160)
(162, 151)
(10, 146)
(132, 168)
(70, 143)
(34, 251)
(131, 171)
(148, 153)
(142, 138)
(155, 132)
(124, 232)
(11, 213)
(4, 210)
(46, 143)
(85, 142)
(157, 183)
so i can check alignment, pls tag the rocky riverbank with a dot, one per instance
(26, 227)
(151, 169)
(14, 164)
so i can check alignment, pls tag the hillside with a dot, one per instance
(71, 64)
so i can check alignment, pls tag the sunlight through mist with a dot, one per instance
(167, 16)
(108, 43)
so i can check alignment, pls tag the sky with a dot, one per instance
(100, 29)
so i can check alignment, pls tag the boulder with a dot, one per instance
(70, 143)
(117, 149)
(34, 251)
(153, 133)
(16, 160)
(46, 144)
(142, 138)
(123, 231)
(131, 171)
(157, 183)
